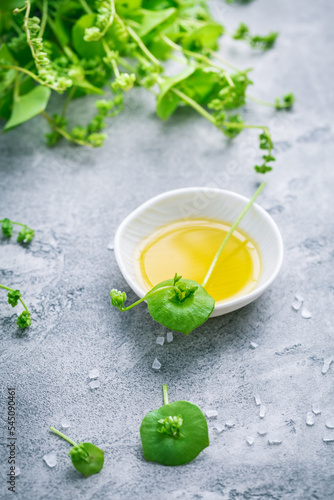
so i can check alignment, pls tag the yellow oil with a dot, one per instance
(188, 248)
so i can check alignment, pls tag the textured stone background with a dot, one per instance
(75, 198)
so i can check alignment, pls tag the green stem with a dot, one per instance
(29, 73)
(151, 292)
(25, 307)
(179, 59)
(165, 394)
(243, 125)
(17, 10)
(115, 68)
(260, 101)
(126, 65)
(28, 35)
(112, 60)
(44, 17)
(73, 443)
(17, 224)
(229, 234)
(266, 103)
(23, 70)
(15, 26)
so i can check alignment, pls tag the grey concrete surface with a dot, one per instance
(75, 198)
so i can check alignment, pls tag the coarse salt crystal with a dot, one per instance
(156, 365)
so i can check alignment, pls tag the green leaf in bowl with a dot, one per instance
(180, 315)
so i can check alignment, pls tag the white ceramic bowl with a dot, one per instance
(197, 202)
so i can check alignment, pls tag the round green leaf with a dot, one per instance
(94, 463)
(10, 5)
(29, 105)
(167, 450)
(86, 49)
(179, 316)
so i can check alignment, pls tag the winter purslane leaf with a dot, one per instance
(27, 106)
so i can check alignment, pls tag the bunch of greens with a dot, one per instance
(105, 47)
(86, 457)
(182, 304)
(25, 235)
(175, 433)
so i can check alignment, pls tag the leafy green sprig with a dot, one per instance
(25, 235)
(182, 304)
(161, 436)
(86, 457)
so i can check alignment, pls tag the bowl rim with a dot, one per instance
(231, 304)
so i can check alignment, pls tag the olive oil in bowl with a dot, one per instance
(189, 247)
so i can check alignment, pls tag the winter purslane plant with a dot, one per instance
(106, 47)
